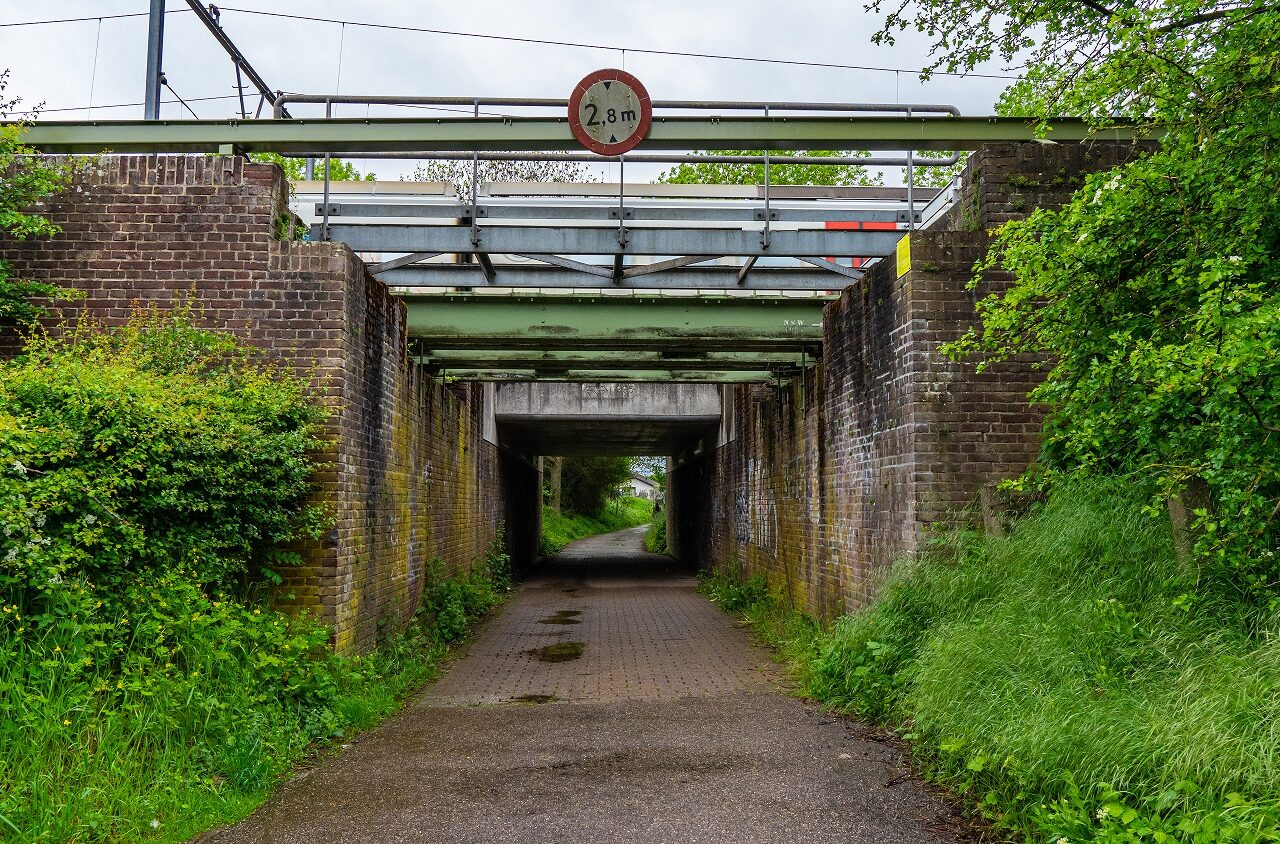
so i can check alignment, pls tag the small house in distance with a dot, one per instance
(640, 487)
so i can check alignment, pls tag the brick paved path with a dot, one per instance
(668, 726)
(645, 635)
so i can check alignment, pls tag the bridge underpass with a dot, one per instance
(840, 435)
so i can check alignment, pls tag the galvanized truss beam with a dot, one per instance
(557, 240)
(402, 261)
(515, 134)
(707, 212)
(619, 376)
(687, 324)
(551, 362)
(538, 275)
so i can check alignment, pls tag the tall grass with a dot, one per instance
(559, 529)
(89, 754)
(1072, 680)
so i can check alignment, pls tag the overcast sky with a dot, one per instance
(75, 65)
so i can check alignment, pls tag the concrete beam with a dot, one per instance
(542, 134)
(605, 418)
(585, 322)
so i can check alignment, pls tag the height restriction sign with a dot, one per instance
(610, 112)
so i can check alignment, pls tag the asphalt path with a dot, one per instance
(608, 702)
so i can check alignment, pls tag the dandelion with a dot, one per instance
(66, 722)
(155, 823)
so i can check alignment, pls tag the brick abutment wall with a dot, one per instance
(828, 479)
(410, 478)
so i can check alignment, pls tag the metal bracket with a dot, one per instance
(762, 215)
(486, 265)
(621, 214)
(905, 217)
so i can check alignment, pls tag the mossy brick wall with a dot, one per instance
(409, 477)
(832, 476)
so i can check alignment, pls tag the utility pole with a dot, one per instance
(155, 48)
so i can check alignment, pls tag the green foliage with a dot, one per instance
(781, 172)
(295, 169)
(1066, 680)
(1155, 293)
(586, 483)
(148, 692)
(559, 529)
(772, 618)
(655, 538)
(25, 181)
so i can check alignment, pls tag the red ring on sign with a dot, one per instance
(610, 74)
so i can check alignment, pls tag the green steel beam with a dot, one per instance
(676, 324)
(615, 376)
(551, 362)
(540, 134)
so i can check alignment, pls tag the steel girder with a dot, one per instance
(554, 240)
(615, 376)
(705, 212)
(540, 275)
(516, 134)
(553, 362)
(684, 324)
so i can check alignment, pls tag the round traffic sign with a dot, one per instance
(610, 111)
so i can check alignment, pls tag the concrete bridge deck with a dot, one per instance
(669, 727)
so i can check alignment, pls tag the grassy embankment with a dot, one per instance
(559, 529)
(1071, 680)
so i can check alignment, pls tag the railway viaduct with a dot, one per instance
(836, 460)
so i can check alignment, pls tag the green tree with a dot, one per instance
(295, 168)
(1153, 294)
(781, 171)
(588, 481)
(25, 180)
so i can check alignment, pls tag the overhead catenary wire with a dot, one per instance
(542, 41)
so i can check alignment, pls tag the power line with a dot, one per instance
(525, 40)
(553, 43)
(90, 18)
(136, 105)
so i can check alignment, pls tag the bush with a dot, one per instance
(146, 476)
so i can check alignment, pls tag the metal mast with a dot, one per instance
(155, 48)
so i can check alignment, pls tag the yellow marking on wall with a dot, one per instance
(904, 255)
